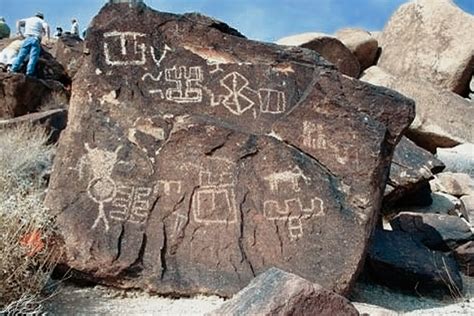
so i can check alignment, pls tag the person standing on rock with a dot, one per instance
(4, 28)
(74, 28)
(34, 29)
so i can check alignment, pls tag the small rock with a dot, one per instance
(397, 259)
(373, 310)
(361, 43)
(276, 292)
(464, 254)
(468, 204)
(458, 159)
(436, 231)
(411, 168)
(332, 49)
(457, 184)
(441, 203)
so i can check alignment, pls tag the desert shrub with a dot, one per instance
(26, 254)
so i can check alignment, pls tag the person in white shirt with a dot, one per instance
(34, 29)
(75, 28)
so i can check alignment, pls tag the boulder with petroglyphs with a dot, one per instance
(200, 159)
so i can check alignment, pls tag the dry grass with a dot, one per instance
(26, 255)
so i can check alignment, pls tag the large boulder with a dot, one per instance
(456, 184)
(20, 95)
(465, 256)
(201, 159)
(53, 121)
(69, 51)
(431, 40)
(276, 292)
(362, 44)
(399, 260)
(444, 119)
(329, 47)
(439, 232)
(458, 159)
(412, 168)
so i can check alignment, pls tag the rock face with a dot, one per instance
(431, 40)
(458, 159)
(54, 122)
(362, 44)
(439, 232)
(20, 95)
(412, 167)
(329, 47)
(465, 256)
(431, 128)
(276, 292)
(457, 184)
(202, 159)
(399, 260)
(69, 51)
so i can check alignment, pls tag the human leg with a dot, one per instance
(24, 51)
(35, 51)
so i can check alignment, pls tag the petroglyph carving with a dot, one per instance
(237, 101)
(314, 137)
(291, 177)
(272, 101)
(186, 83)
(294, 212)
(131, 204)
(132, 49)
(214, 201)
(101, 187)
(168, 187)
(180, 224)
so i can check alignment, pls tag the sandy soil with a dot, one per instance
(372, 299)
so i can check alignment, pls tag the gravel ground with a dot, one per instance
(372, 299)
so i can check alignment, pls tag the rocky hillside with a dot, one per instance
(196, 161)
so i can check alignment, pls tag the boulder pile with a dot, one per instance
(196, 161)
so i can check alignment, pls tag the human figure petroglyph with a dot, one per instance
(101, 187)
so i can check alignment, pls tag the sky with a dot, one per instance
(265, 20)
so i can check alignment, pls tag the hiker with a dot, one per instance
(9, 53)
(4, 28)
(74, 28)
(59, 32)
(34, 28)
